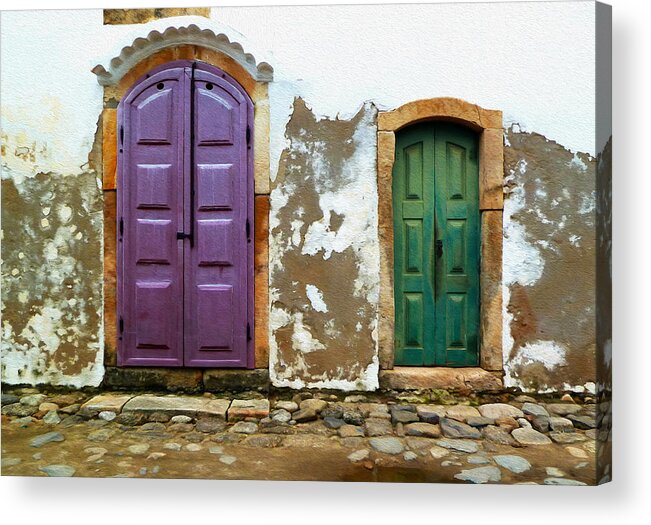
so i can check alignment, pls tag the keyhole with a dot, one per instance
(209, 86)
(160, 85)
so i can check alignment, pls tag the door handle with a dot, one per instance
(439, 248)
(183, 235)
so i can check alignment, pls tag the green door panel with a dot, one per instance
(436, 252)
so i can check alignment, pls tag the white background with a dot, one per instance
(626, 500)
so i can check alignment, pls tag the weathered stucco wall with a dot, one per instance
(140, 16)
(329, 78)
(52, 329)
(51, 276)
(549, 265)
(324, 253)
(604, 248)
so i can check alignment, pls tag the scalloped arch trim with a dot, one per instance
(141, 48)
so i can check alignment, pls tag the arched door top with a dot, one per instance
(232, 84)
(442, 108)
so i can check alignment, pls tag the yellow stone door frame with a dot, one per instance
(114, 89)
(488, 124)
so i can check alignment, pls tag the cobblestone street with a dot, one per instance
(300, 437)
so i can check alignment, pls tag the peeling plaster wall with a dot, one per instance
(330, 79)
(604, 276)
(52, 329)
(549, 265)
(51, 276)
(324, 253)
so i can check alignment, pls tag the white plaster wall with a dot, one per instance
(50, 103)
(534, 61)
(47, 92)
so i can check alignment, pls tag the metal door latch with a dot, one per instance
(439, 248)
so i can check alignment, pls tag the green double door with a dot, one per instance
(437, 243)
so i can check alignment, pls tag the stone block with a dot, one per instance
(171, 379)
(110, 279)
(387, 445)
(305, 415)
(242, 408)
(178, 405)
(491, 169)
(583, 422)
(235, 380)
(109, 148)
(480, 421)
(104, 403)
(423, 430)
(497, 435)
(314, 404)
(457, 429)
(500, 410)
(461, 412)
(533, 409)
(443, 108)
(563, 409)
(460, 445)
(261, 138)
(261, 278)
(431, 413)
(454, 379)
(529, 436)
(490, 277)
(378, 427)
(560, 424)
(386, 145)
(349, 431)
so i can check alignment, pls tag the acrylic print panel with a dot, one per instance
(270, 243)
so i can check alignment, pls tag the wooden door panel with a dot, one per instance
(436, 235)
(150, 212)
(215, 186)
(185, 258)
(457, 226)
(154, 185)
(155, 326)
(215, 310)
(214, 242)
(413, 236)
(414, 246)
(217, 271)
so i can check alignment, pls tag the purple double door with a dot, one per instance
(185, 220)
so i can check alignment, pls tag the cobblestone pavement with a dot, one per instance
(304, 436)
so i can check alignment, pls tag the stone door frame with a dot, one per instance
(488, 124)
(115, 86)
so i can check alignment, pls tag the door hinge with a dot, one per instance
(248, 331)
(121, 226)
(248, 134)
(121, 324)
(121, 135)
(248, 230)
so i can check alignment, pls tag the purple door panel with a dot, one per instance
(185, 256)
(216, 281)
